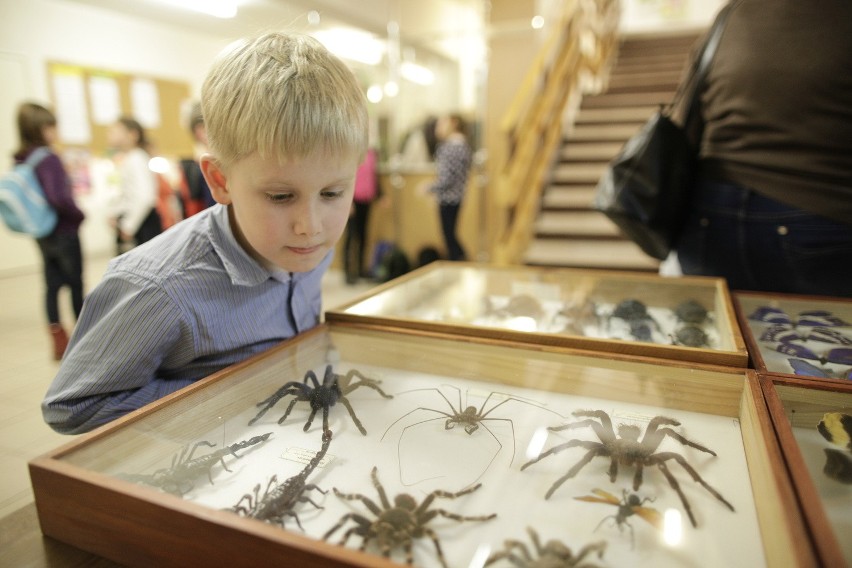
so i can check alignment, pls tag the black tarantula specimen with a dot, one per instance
(333, 389)
(627, 449)
(397, 525)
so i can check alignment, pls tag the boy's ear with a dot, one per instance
(217, 181)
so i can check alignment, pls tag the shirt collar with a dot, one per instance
(242, 269)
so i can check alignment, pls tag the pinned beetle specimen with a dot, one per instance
(630, 504)
(553, 554)
(397, 525)
(691, 311)
(690, 335)
(180, 478)
(628, 450)
(279, 500)
(635, 315)
(333, 389)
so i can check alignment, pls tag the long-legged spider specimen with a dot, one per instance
(628, 450)
(323, 396)
(553, 554)
(467, 416)
(397, 525)
(630, 504)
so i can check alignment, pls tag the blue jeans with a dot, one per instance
(760, 244)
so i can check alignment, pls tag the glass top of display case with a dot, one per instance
(814, 422)
(809, 336)
(462, 447)
(688, 319)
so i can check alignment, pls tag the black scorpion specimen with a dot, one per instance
(552, 554)
(180, 478)
(397, 525)
(628, 450)
(279, 500)
(323, 396)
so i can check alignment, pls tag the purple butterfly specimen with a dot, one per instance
(839, 355)
(802, 367)
(821, 318)
(769, 314)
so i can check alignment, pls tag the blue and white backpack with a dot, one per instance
(22, 203)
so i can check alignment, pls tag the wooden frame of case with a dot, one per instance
(742, 307)
(380, 307)
(83, 502)
(799, 402)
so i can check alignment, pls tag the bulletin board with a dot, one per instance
(88, 100)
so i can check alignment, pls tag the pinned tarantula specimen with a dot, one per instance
(627, 449)
(553, 554)
(397, 525)
(323, 396)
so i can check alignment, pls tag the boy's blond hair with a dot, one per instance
(282, 95)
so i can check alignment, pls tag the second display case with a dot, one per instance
(684, 319)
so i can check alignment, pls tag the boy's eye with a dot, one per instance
(279, 197)
(333, 193)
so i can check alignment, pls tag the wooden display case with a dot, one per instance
(479, 420)
(792, 335)
(561, 307)
(797, 405)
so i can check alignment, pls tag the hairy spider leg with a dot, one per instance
(507, 554)
(655, 435)
(660, 460)
(595, 449)
(283, 391)
(299, 396)
(362, 524)
(355, 419)
(363, 381)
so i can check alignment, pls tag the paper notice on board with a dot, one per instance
(71, 113)
(105, 99)
(146, 102)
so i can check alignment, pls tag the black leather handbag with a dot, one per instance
(646, 188)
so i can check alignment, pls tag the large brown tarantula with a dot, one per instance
(396, 525)
(628, 450)
(552, 554)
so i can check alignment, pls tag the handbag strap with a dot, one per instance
(702, 65)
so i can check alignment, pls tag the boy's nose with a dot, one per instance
(308, 221)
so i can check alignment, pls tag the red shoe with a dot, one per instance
(60, 340)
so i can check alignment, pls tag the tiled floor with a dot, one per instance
(26, 370)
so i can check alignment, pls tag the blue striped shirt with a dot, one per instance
(178, 308)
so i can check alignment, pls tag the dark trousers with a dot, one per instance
(63, 266)
(355, 242)
(449, 220)
(760, 244)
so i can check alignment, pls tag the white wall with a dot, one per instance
(640, 16)
(34, 32)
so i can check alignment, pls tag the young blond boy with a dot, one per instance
(287, 128)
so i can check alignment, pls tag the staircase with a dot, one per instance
(568, 232)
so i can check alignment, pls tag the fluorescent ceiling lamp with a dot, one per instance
(217, 8)
(416, 73)
(352, 44)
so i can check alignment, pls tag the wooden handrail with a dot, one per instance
(581, 45)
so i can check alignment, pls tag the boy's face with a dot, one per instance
(286, 215)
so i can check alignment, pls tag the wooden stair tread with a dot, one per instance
(620, 255)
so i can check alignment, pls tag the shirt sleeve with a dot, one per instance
(113, 363)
